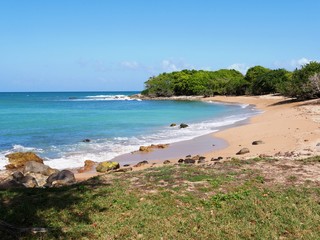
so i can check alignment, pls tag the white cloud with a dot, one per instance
(172, 66)
(243, 68)
(300, 62)
(130, 64)
(169, 66)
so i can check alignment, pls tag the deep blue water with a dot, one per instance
(54, 124)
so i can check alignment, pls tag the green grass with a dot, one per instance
(170, 202)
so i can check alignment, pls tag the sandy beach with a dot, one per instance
(286, 128)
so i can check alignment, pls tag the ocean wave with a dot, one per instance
(103, 98)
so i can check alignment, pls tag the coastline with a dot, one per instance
(288, 129)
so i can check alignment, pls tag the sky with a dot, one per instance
(116, 45)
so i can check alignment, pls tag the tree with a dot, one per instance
(304, 83)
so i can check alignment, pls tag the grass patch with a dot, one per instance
(224, 202)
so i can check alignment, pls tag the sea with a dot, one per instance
(54, 125)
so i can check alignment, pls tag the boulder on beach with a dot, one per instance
(243, 151)
(62, 178)
(189, 161)
(258, 142)
(140, 164)
(173, 124)
(123, 170)
(107, 166)
(152, 147)
(19, 159)
(18, 180)
(183, 125)
(37, 167)
(88, 166)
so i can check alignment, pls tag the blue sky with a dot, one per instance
(80, 45)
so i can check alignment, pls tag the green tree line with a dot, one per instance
(302, 83)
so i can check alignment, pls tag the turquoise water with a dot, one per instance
(54, 124)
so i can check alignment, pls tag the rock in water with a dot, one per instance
(36, 167)
(243, 151)
(19, 159)
(107, 166)
(183, 125)
(173, 125)
(258, 142)
(87, 140)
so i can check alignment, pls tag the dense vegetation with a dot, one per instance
(302, 83)
(236, 199)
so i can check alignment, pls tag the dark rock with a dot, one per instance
(126, 165)
(183, 125)
(173, 125)
(107, 166)
(258, 142)
(202, 158)
(188, 156)
(141, 164)
(62, 178)
(11, 183)
(318, 145)
(36, 167)
(86, 140)
(189, 161)
(243, 151)
(17, 176)
(216, 159)
(181, 160)
(166, 162)
(19, 159)
(200, 161)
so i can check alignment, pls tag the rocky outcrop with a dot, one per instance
(19, 159)
(88, 166)
(183, 125)
(166, 162)
(107, 166)
(173, 124)
(87, 140)
(36, 167)
(243, 151)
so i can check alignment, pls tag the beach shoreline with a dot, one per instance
(287, 129)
